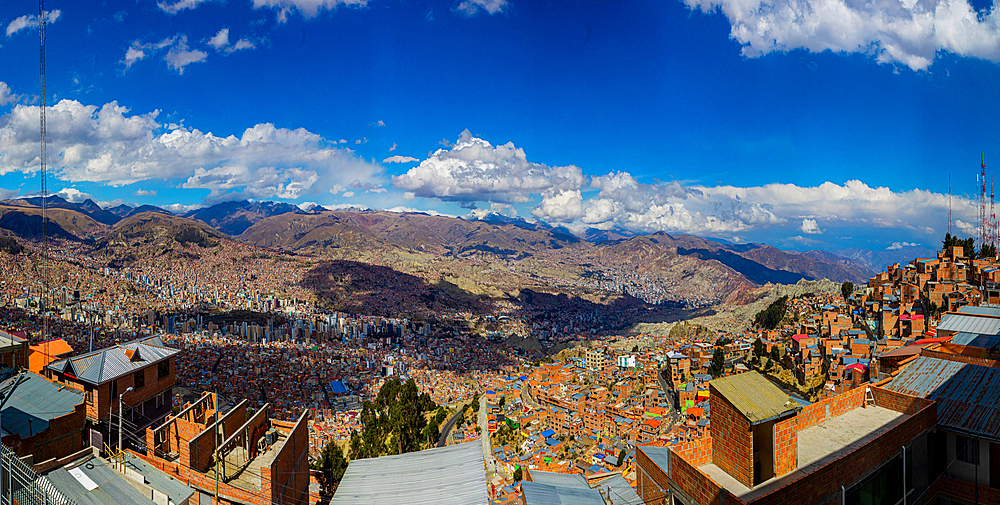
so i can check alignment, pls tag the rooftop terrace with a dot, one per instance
(817, 446)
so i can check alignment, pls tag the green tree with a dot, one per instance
(846, 289)
(758, 347)
(774, 354)
(621, 457)
(440, 415)
(771, 317)
(500, 404)
(988, 251)
(635, 348)
(332, 463)
(517, 474)
(718, 362)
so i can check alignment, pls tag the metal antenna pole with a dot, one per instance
(43, 163)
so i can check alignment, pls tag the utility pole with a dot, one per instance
(215, 388)
(121, 418)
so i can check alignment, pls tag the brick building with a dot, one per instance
(41, 419)
(260, 460)
(145, 365)
(766, 448)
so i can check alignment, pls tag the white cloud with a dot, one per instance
(177, 57)
(810, 227)
(966, 228)
(7, 194)
(561, 206)
(6, 96)
(308, 8)
(908, 32)
(108, 145)
(399, 159)
(145, 192)
(73, 195)
(473, 170)
(179, 5)
(348, 194)
(380, 123)
(30, 21)
(393, 148)
(472, 7)
(220, 42)
(307, 206)
(180, 208)
(900, 245)
(412, 210)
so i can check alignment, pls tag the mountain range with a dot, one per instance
(490, 250)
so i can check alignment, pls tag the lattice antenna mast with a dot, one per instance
(43, 168)
(993, 217)
(949, 204)
(982, 203)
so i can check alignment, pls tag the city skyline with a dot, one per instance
(683, 116)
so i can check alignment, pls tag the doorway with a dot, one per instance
(763, 452)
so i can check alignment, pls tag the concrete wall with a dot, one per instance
(733, 445)
(967, 471)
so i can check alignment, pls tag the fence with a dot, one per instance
(20, 485)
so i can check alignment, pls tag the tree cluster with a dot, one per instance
(771, 317)
(332, 463)
(395, 423)
(846, 289)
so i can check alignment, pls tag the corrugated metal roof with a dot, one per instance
(545, 494)
(658, 455)
(971, 323)
(175, 490)
(112, 488)
(968, 396)
(619, 490)
(986, 311)
(976, 340)
(111, 363)
(447, 475)
(569, 480)
(755, 396)
(35, 401)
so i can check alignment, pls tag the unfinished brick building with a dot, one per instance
(868, 445)
(260, 460)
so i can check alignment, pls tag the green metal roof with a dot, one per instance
(755, 397)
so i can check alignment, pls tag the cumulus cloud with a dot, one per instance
(6, 96)
(109, 145)
(393, 148)
(474, 170)
(967, 228)
(180, 208)
(810, 227)
(900, 245)
(308, 8)
(473, 7)
(908, 32)
(145, 192)
(399, 159)
(73, 195)
(30, 21)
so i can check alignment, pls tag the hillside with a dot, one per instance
(26, 222)
(160, 230)
(234, 217)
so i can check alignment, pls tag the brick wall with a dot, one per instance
(823, 484)
(733, 441)
(652, 480)
(201, 447)
(290, 468)
(697, 452)
(786, 446)
(899, 402)
(687, 478)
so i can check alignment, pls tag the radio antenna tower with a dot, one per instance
(993, 217)
(43, 303)
(982, 203)
(949, 204)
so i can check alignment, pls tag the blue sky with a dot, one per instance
(801, 123)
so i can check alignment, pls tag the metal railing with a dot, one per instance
(20, 485)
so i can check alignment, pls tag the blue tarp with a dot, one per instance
(337, 387)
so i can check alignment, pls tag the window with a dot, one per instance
(159, 400)
(89, 395)
(967, 449)
(163, 369)
(140, 379)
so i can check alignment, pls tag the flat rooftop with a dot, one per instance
(818, 445)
